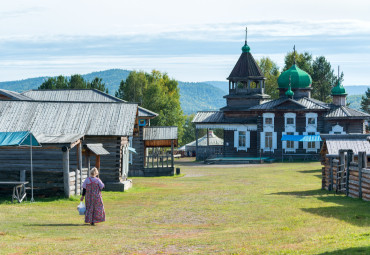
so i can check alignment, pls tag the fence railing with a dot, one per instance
(158, 161)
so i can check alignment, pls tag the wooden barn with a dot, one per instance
(254, 125)
(137, 166)
(74, 136)
(345, 159)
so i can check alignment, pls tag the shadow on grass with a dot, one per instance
(310, 171)
(351, 210)
(305, 193)
(354, 250)
(4, 199)
(56, 225)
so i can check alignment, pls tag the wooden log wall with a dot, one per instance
(358, 178)
(110, 165)
(47, 169)
(137, 166)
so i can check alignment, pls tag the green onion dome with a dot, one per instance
(338, 90)
(299, 78)
(246, 48)
(289, 93)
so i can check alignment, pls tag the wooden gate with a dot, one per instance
(339, 172)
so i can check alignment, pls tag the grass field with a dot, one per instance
(256, 209)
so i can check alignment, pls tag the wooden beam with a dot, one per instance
(172, 158)
(97, 163)
(196, 143)
(66, 171)
(79, 153)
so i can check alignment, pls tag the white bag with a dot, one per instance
(81, 208)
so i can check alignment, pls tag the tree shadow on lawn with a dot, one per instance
(354, 250)
(310, 171)
(57, 225)
(351, 210)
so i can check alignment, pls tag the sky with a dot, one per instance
(192, 40)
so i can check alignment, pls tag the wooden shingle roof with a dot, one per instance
(345, 112)
(245, 68)
(355, 142)
(287, 103)
(61, 118)
(159, 133)
(79, 95)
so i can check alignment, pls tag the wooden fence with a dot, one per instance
(347, 174)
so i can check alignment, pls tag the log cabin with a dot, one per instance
(254, 125)
(74, 136)
(137, 163)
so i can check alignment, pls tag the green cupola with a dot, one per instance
(299, 78)
(289, 93)
(246, 48)
(338, 90)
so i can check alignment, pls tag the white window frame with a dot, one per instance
(268, 115)
(337, 129)
(274, 141)
(311, 126)
(286, 117)
(247, 139)
(317, 144)
(284, 143)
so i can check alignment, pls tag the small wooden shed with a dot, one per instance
(158, 160)
(63, 128)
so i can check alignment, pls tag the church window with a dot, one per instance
(242, 139)
(268, 140)
(311, 121)
(290, 121)
(290, 144)
(311, 145)
(268, 121)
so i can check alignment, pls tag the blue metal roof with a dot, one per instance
(22, 138)
(301, 138)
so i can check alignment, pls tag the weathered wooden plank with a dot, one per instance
(66, 172)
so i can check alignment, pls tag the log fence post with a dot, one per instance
(362, 160)
(331, 175)
(66, 177)
(349, 161)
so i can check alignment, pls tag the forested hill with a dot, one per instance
(198, 96)
(194, 96)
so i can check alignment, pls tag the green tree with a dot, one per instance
(303, 60)
(323, 79)
(74, 82)
(271, 72)
(156, 92)
(365, 101)
(98, 84)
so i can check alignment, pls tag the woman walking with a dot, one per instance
(92, 187)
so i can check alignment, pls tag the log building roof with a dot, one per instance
(78, 95)
(13, 95)
(68, 118)
(159, 133)
(355, 142)
(245, 68)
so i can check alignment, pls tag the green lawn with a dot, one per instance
(256, 209)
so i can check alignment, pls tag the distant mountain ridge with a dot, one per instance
(195, 96)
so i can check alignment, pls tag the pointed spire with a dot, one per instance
(246, 35)
(294, 54)
(246, 48)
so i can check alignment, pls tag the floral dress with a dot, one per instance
(94, 204)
